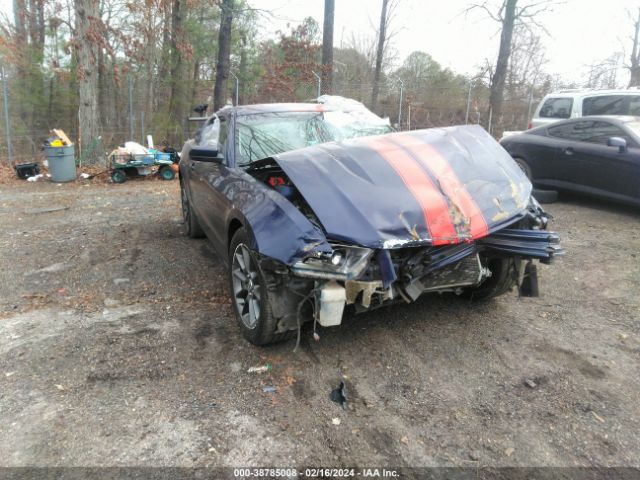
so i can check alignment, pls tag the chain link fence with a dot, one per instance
(135, 107)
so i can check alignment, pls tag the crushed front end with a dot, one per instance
(320, 286)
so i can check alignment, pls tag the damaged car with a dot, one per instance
(321, 206)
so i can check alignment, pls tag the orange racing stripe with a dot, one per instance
(433, 204)
(434, 162)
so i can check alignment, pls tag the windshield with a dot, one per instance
(263, 135)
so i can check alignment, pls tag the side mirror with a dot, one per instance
(205, 155)
(619, 142)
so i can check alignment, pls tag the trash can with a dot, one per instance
(62, 163)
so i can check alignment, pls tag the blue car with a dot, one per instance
(316, 208)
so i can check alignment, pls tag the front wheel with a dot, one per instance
(250, 297)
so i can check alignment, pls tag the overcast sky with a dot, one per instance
(581, 32)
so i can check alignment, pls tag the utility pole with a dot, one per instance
(400, 105)
(7, 122)
(130, 109)
(142, 126)
(237, 87)
(466, 116)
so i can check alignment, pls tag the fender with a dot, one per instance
(276, 227)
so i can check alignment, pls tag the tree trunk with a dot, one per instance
(176, 100)
(498, 80)
(224, 51)
(379, 52)
(327, 46)
(86, 12)
(634, 68)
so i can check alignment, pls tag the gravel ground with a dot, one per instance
(118, 347)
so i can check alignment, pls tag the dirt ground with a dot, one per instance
(118, 348)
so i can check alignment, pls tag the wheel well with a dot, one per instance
(525, 161)
(233, 228)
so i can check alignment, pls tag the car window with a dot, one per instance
(576, 131)
(209, 133)
(589, 131)
(600, 132)
(556, 108)
(634, 106)
(222, 138)
(606, 105)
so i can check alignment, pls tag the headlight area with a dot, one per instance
(344, 263)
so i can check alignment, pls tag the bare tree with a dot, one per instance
(510, 13)
(327, 45)
(175, 98)
(86, 30)
(379, 54)
(223, 64)
(634, 67)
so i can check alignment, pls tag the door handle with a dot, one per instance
(568, 151)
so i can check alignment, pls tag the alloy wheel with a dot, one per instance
(246, 286)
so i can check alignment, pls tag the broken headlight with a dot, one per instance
(344, 263)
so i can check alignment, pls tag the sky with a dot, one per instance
(580, 32)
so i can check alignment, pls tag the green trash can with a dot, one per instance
(62, 163)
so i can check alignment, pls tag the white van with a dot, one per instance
(580, 103)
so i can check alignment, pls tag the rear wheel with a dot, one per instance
(250, 296)
(501, 281)
(190, 221)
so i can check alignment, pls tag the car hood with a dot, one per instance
(436, 187)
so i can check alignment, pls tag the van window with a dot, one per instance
(556, 108)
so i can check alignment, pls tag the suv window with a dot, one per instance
(606, 105)
(556, 108)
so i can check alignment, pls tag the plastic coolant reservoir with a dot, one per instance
(332, 300)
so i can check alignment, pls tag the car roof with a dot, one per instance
(592, 93)
(275, 108)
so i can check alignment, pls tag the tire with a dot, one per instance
(545, 196)
(524, 166)
(501, 281)
(246, 282)
(118, 176)
(167, 173)
(194, 230)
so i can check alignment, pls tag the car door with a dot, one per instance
(206, 137)
(562, 170)
(212, 182)
(607, 169)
